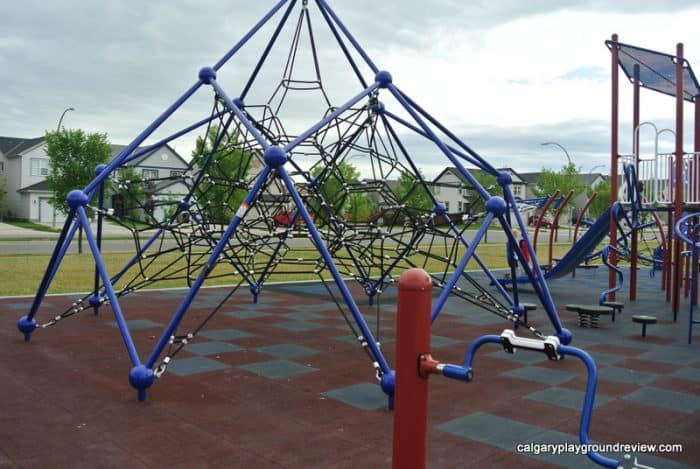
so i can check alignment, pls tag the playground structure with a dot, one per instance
(258, 163)
(266, 195)
(669, 180)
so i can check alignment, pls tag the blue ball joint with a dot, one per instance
(388, 384)
(565, 336)
(238, 102)
(504, 179)
(141, 379)
(440, 209)
(26, 326)
(95, 301)
(207, 75)
(496, 205)
(384, 78)
(99, 168)
(77, 198)
(275, 156)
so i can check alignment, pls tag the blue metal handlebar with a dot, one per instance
(588, 400)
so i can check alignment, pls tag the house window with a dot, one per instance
(459, 204)
(149, 173)
(39, 167)
(174, 174)
(2, 166)
(437, 189)
(447, 207)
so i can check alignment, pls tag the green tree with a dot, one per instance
(567, 179)
(130, 195)
(333, 187)
(411, 192)
(223, 189)
(360, 207)
(602, 200)
(73, 157)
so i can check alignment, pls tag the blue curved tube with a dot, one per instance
(485, 339)
(588, 403)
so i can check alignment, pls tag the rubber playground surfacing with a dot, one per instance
(283, 384)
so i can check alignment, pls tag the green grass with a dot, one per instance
(77, 270)
(31, 226)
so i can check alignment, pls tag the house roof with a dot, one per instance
(12, 147)
(453, 170)
(586, 178)
(116, 149)
(39, 186)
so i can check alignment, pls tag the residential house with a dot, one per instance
(452, 189)
(24, 165)
(589, 180)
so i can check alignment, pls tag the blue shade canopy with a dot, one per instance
(657, 71)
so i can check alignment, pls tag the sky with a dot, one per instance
(503, 75)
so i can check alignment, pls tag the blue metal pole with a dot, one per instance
(211, 263)
(237, 111)
(447, 289)
(347, 296)
(119, 160)
(340, 42)
(249, 35)
(466, 174)
(64, 240)
(471, 352)
(94, 300)
(301, 138)
(324, 7)
(484, 164)
(591, 385)
(476, 162)
(266, 52)
(172, 137)
(114, 302)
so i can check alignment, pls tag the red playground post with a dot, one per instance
(411, 391)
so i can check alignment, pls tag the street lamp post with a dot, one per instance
(58, 128)
(568, 158)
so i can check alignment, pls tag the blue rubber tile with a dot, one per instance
(520, 356)
(671, 400)
(299, 326)
(364, 396)
(303, 316)
(226, 334)
(673, 355)
(326, 308)
(195, 365)
(563, 397)
(507, 434)
(539, 374)
(245, 314)
(601, 358)
(135, 324)
(692, 374)
(212, 348)
(625, 375)
(287, 350)
(277, 369)
(437, 341)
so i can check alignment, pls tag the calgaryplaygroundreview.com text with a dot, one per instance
(578, 448)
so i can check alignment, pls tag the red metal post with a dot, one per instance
(696, 174)
(579, 220)
(635, 145)
(614, 119)
(678, 196)
(411, 390)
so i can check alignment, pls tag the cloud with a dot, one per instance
(504, 75)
